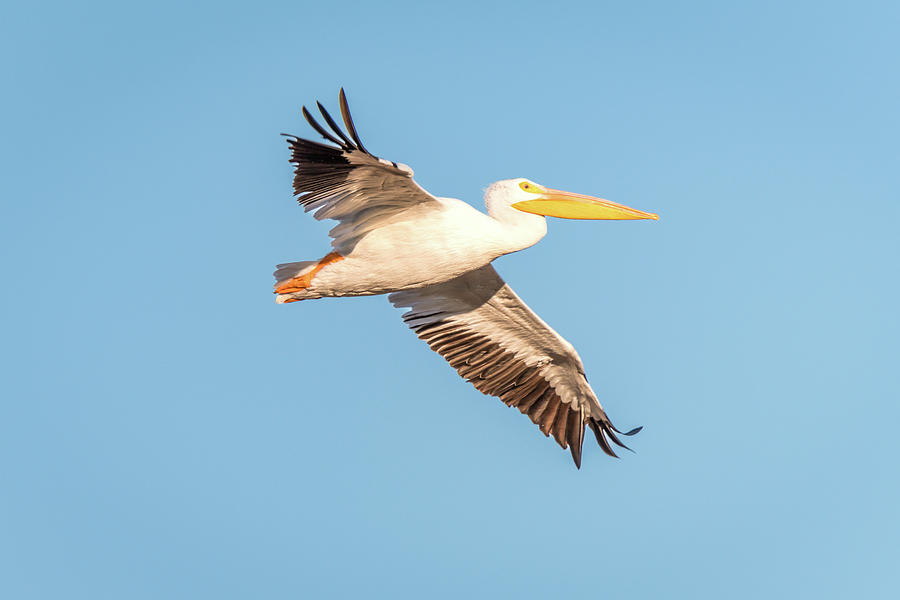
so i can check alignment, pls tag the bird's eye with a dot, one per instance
(528, 186)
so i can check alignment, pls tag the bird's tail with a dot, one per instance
(288, 272)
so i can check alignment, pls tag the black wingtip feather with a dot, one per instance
(348, 145)
(321, 130)
(598, 430)
(632, 432)
(348, 121)
(576, 437)
(575, 449)
(616, 440)
(605, 445)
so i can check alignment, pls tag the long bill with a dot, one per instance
(566, 205)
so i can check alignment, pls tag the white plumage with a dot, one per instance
(433, 256)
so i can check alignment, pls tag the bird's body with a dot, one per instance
(433, 255)
(443, 241)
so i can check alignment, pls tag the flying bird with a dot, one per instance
(433, 256)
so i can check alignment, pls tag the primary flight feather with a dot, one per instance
(433, 255)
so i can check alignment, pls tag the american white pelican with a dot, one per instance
(433, 255)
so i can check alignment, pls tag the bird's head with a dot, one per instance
(530, 197)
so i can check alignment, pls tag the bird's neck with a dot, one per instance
(516, 230)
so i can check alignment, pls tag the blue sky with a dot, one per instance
(167, 431)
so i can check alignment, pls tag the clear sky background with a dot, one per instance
(168, 431)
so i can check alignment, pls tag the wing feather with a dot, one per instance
(321, 130)
(334, 127)
(348, 120)
(347, 183)
(493, 340)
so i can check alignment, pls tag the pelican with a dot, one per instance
(433, 256)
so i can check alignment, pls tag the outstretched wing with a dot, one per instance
(349, 184)
(498, 344)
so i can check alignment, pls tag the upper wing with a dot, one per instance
(350, 184)
(498, 344)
